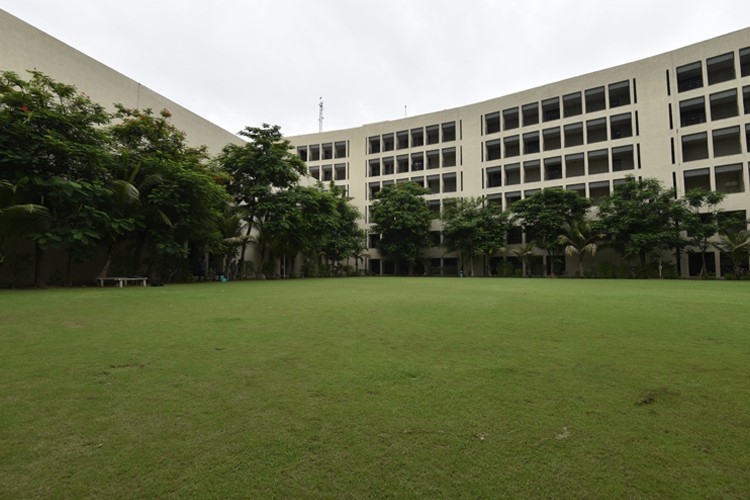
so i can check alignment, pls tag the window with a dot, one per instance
(621, 126)
(418, 181)
(746, 99)
(374, 144)
(689, 77)
(315, 173)
(433, 184)
(512, 174)
(402, 139)
(695, 147)
(315, 153)
(697, 178)
(417, 162)
(417, 137)
(572, 105)
(598, 161)
(551, 138)
(327, 173)
(340, 171)
(551, 109)
(720, 68)
(510, 118)
(433, 159)
(402, 164)
(595, 100)
(530, 114)
(598, 191)
(433, 134)
(449, 157)
(578, 188)
(619, 94)
(574, 165)
(374, 169)
(512, 146)
(693, 111)
(724, 104)
(532, 171)
(511, 198)
(328, 151)
(449, 183)
(730, 178)
(388, 166)
(302, 152)
(449, 132)
(340, 149)
(494, 177)
(531, 143)
(492, 123)
(389, 143)
(493, 150)
(553, 168)
(622, 159)
(573, 134)
(745, 61)
(726, 141)
(434, 206)
(596, 130)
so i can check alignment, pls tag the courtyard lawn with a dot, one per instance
(377, 387)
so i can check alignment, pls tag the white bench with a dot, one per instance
(121, 282)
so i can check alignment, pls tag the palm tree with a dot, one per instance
(18, 219)
(580, 238)
(525, 252)
(736, 245)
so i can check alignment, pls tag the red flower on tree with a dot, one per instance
(25, 108)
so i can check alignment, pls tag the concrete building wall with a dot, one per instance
(23, 47)
(631, 125)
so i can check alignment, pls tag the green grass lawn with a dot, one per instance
(377, 387)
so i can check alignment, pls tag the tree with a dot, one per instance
(258, 169)
(544, 213)
(473, 227)
(581, 237)
(402, 219)
(641, 216)
(18, 219)
(703, 220)
(525, 252)
(735, 245)
(51, 140)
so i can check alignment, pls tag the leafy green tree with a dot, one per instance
(18, 219)
(525, 252)
(581, 237)
(52, 142)
(642, 216)
(345, 238)
(736, 245)
(402, 219)
(493, 230)
(703, 220)
(544, 213)
(257, 170)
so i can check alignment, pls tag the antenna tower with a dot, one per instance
(320, 116)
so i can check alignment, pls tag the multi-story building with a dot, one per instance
(682, 117)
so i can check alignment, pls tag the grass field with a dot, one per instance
(377, 387)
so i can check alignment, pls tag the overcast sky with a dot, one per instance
(245, 62)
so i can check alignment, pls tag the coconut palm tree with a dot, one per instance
(580, 237)
(735, 245)
(525, 252)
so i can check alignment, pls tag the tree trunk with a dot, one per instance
(107, 261)
(140, 242)
(69, 267)
(242, 252)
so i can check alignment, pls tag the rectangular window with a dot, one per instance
(433, 184)
(598, 191)
(417, 137)
(449, 131)
(689, 77)
(697, 178)
(530, 114)
(726, 141)
(551, 109)
(578, 188)
(449, 183)
(598, 161)
(340, 149)
(532, 171)
(724, 104)
(553, 168)
(315, 173)
(622, 159)
(494, 177)
(433, 134)
(746, 99)
(572, 105)
(512, 146)
(695, 147)
(693, 111)
(492, 150)
(449, 157)
(402, 164)
(373, 145)
(418, 181)
(531, 143)
(492, 123)
(433, 159)
(595, 100)
(402, 139)
(315, 153)
(745, 61)
(389, 142)
(551, 137)
(596, 130)
(511, 198)
(374, 170)
(328, 151)
(340, 172)
(512, 174)
(574, 165)
(573, 134)
(417, 162)
(619, 94)
(730, 178)
(302, 152)
(720, 68)
(388, 166)
(621, 126)
(510, 118)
